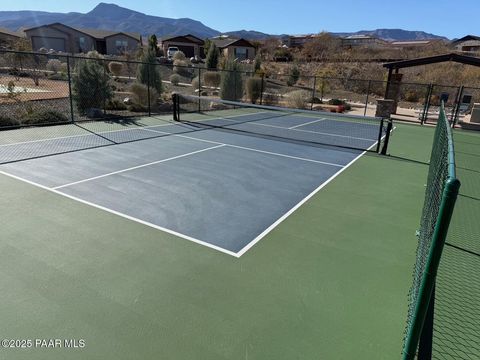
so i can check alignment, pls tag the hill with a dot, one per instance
(395, 34)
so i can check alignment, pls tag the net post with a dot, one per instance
(387, 137)
(69, 75)
(175, 109)
(379, 140)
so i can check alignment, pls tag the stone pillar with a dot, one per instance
(393, 92)
(385, 108)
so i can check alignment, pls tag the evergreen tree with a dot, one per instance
(148, 73)
(231, 84)
(153, 44)
(213, 54)
(91, 86)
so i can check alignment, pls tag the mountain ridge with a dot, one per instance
(114, 17)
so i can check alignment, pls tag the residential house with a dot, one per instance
(362, 40)
(469, 43)
(414, 44)
(188, 44)
(295, 41)
(240, 49)
(60, 37)
(8, 37)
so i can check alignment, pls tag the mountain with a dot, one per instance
(395, 34)
(109, 17)
(113, 17)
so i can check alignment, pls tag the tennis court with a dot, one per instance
(117, 233)
(186, 179)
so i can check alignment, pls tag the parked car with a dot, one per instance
(171, 51)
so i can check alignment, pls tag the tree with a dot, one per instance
(257, 65)
(153, 44)
(321, 47)
(213, 54)
(91, 86)
(294, 75)
(231, 84)
(148, 73)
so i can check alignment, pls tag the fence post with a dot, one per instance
(262, 89)
(69, 75)
(313, 91)
(148, 90)
(199, 88)
(458, 102)
(104, 97)
(427, 104)
(366, 99)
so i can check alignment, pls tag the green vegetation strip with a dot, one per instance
(330, 282)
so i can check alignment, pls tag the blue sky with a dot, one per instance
(441, 17)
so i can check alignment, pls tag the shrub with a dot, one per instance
(115, 104)
(115, 67)
(9, 122)
(148, 73)
(257, 64)
(137, 108)
(91, 86)
(175, 79)
(179, 55)
(316, 100)
(39, 117)
(181, 68)
(231, 84)
(212, 78)
(254, 88)
(58, 76)
(54, 65)
(196, 83)
(211, 61)
(140, 94)
(298, 99)
(270, 98)
(64, 68)
(412, 96)
(293, 75)
(335, 102)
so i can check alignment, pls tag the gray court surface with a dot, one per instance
(221, 189)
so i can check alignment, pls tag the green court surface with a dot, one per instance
(330, 282)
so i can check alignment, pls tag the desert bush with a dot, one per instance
(196, 83)
(212, 78)
(181, 68)
(115, 67)
(335, 102)
(293, 76)
(270, 98)
(254, 88)
(148, 73)
(54, 65)
(137, 108)
(8, 121)
(257, 65)
(115, 104)
(298, 99)
(179, 55)
(140, 94)
(411, 96)
(39, 117)
(64, 68)
(91, 86)
(231, 84)
(175, 79)
(58, 76)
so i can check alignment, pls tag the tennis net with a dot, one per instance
(284, 124)
(440, 195)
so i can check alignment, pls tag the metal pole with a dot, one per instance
(148, 90)
(262, 89)
(199, 88)
(70, 88)
(427, 104)
(366, 99)
(104, 95)
(426, 337)
(313, 91)
(457, 106)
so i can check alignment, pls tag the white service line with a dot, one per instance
(186, 237)
(303, 201)
(136, 167)
(307, 123)
(256, 150)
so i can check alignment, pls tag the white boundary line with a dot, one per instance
(307, 123)
(303, 201)
(137, 167)
(172, 232)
